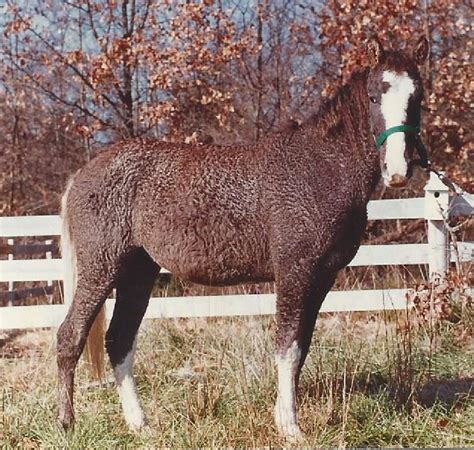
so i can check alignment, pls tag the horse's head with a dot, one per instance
(395, 93)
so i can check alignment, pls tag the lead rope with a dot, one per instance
(443, 178)
(426, 164)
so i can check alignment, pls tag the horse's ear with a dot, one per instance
(375, 52)
(421, 50)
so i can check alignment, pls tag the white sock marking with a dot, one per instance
(132, 409)
(285, 407)
(394, 109)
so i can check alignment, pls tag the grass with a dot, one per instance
(368, 381)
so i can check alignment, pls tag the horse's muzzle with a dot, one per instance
(397, 181)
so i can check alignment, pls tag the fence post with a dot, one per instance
(436, 212)
(10, 243)
(49, 255)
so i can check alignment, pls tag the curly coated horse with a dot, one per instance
(291, 209)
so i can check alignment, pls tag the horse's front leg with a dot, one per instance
(298, 301)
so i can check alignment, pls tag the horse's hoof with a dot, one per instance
(66, 423)
(290, 431)
(293, 434)
(146, 429)
(138, 426)
(287, 424)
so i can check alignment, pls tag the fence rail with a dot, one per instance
(435, 207)
(39, 316)
(368, 255)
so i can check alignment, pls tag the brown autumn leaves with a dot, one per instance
(81, 73)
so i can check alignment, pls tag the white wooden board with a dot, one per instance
(404, 208)
(209, 306)
(31, 270)
(30, 226)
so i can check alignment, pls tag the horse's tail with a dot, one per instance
(94, 349)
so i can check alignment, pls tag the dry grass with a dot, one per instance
(211, 383)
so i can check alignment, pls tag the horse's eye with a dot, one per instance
(373, 99)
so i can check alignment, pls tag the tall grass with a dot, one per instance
(369, 380)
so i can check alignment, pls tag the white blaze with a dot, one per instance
(132, 410)
(285, 408)
(394, 109)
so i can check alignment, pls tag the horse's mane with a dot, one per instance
(349, 104)
(340, 106)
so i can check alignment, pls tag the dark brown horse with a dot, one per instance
(292, 208)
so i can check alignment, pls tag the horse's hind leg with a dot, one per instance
(90, 294)
(134, 284)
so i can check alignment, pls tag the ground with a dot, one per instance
(369, 381)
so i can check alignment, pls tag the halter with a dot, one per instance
(421, 149)
(397, 129)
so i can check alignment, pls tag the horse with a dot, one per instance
(291, 208)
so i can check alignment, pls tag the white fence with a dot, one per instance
(437, 252)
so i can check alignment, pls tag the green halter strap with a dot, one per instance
(398, 129)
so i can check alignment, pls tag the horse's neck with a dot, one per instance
(356, 127)
(348, 114)
(345, 122)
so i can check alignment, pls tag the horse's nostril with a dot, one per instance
(398, 181)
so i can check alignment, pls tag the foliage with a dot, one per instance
(437, 302)
(76, 75)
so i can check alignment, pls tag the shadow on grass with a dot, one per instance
(449, 393)
(8, 347)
